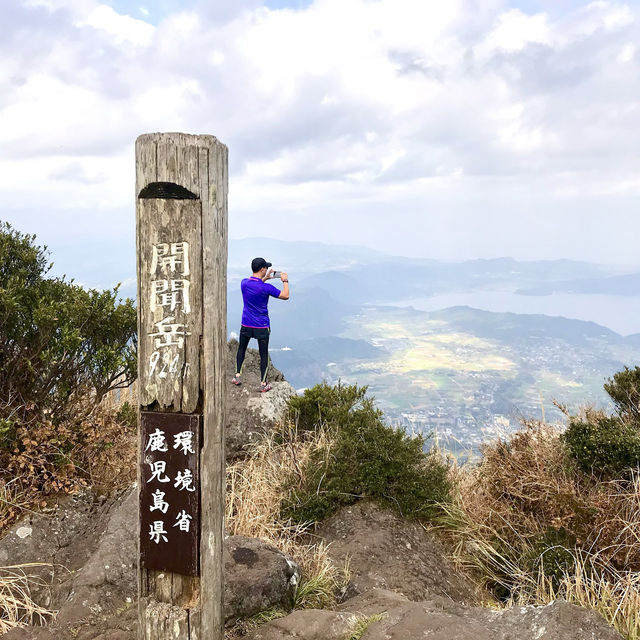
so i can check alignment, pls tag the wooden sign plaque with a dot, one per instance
(169, 492)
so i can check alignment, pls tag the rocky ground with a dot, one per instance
(249, 412)
(401, 581)
(90, 549)
(386, 552)
(401, 587)
(387, 615)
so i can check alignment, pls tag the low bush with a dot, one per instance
(62, 347)
(127, 415)
(48, 458)
(552, 555)
(325, 404)
(604, 445)
(624, 390)
(366, 459)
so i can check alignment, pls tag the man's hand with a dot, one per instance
(268, 275)
(284, 275)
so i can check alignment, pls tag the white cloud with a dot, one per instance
(427, 108)
(121, 28)
(514, 30)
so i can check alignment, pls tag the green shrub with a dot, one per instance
(553, 555)
(624, 390)
(325, 404)
(127, 415)
(59, 342)
(605, 445)
(511, 566)
(367, 459)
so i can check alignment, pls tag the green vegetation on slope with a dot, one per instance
(366, 459)
(542, 515)
(609, 446)
(58, 340)
(62, 348)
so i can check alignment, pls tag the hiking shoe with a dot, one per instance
(265, 387)
(236, 381)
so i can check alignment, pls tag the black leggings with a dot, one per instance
(262, 336)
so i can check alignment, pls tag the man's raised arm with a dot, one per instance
(284, 294)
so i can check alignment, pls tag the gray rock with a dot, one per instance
(388, 552)
(251, 413)
(98, 589)
(312, 624)
(440, 619)
(109, 576)
(63, 538)
(555, 621)
(257, 577)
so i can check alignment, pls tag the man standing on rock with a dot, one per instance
(255, 316)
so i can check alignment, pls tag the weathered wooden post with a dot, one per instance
(181, 219)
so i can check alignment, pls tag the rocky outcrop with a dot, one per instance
(401, 588)
(65, 539)
(387, 615)
(96, 590)
(385, 551)
(257, 577)
(91, 544)
(249, 412)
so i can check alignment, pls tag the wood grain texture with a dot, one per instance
(214, 234)
(170, 374)
(171, 605)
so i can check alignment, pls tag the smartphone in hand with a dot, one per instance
(276, 274)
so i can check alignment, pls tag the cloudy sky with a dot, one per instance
(457, 129)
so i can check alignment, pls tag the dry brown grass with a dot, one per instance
(110, 454)
(17, 609)
(254, 498)
(48, 460)
(617, 527)
(613, 594)
(525, 487)
(13, 503)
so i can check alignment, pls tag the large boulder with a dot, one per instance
(64, 538)
(251, 413)
(387, 615)
(91, 544)
(257, 577)
(385, 551)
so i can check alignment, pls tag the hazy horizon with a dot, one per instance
(452, 131)
(80, 261)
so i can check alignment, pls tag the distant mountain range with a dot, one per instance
(331, 282)
(459, 369)
(358, 274)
